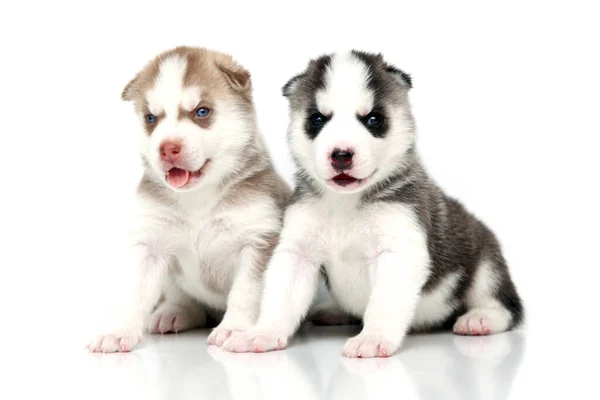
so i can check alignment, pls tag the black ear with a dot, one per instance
(291, 85)
(400, 76)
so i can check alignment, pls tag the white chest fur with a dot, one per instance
(351, 238)
(208, 259)
(202, 244)
(346, 238)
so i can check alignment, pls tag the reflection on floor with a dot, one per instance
(434, 366)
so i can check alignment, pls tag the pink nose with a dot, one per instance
(169, 150)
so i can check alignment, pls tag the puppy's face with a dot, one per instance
(196, 114)
(350, 120)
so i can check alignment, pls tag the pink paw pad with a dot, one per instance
(114, 344)
(168, 323)
(367, 347)
(382, 352)
(220, 335)
(243, 342)
(472, 325)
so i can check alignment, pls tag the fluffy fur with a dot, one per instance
(209, 207)
(397, 252)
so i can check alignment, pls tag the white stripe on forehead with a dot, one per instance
(168, 93)
(346, 87)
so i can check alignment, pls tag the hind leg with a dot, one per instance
(175, 318)
(175, 312)
(483, 321)
(492, 302)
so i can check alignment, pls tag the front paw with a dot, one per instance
(254, 341)
(368, 346)
(115, 342)
(221, 334)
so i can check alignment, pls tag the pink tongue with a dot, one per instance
(178, 177)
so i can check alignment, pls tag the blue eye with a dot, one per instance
(202, 112)
(374, 119)
(150, 118)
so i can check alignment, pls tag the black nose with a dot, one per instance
(341, 159)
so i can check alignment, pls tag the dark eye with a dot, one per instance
(202, 112)
(150, 118)
(374, 120)
(317, 120)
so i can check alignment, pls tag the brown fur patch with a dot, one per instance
(216, 73)
(258, 179)
(264, 182)
(204, 122)
(154, 190)
(149, 127)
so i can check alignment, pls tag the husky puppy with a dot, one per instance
(210, 204)
(397, 252)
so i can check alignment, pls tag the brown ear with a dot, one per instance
(237, 76)
(128, 93)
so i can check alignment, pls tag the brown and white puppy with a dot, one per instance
(209, 205)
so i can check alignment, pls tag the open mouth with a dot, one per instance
(179, 178)
(348, 182)
(344, 180)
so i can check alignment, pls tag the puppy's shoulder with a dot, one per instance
(258, 185)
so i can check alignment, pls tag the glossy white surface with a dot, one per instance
(183, 367)
(429, 367)
(522, 364)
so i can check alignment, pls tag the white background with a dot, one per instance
(506, 99)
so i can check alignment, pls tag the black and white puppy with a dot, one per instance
(397, 251)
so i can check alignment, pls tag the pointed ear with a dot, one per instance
(128, 93)
(236, 75)
(401, 76)
(291, 85)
